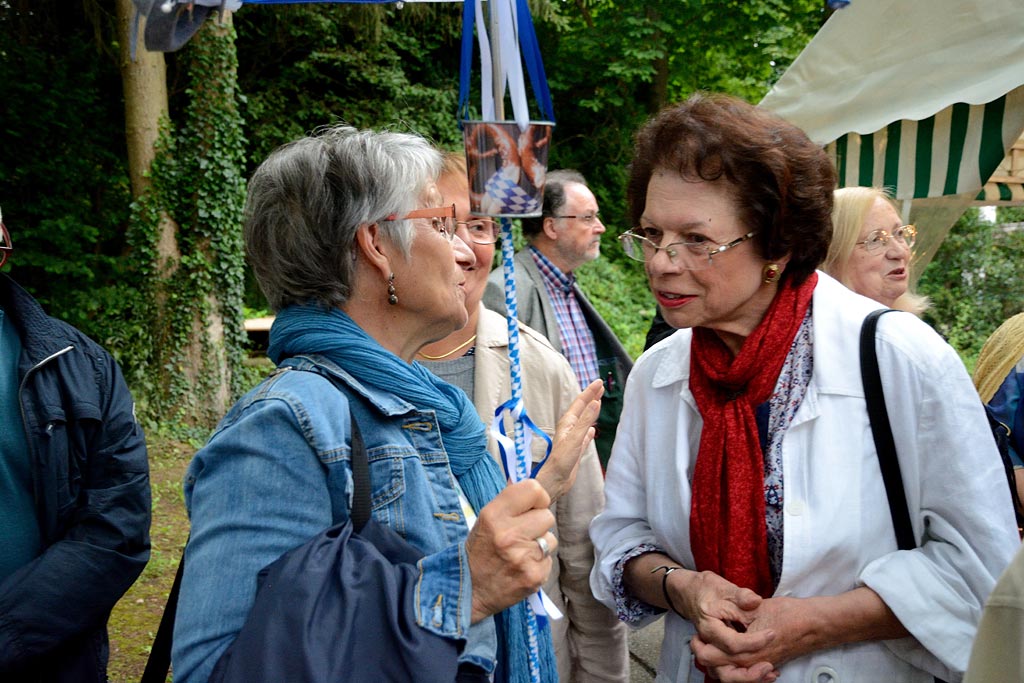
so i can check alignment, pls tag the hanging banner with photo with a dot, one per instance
(507, 160)
(506, 167)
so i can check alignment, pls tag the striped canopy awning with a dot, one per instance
(1001, 194)
(952, 152)
(1005, 187)
(924, 97)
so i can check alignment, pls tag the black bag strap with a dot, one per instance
(159, 662)
(881, 430)
(360, 512)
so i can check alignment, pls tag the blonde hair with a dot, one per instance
(849, 211)
(453, 163)
(1001, 352)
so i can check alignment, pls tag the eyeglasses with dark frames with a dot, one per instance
(877, 240)
(690, 255)
(442, 219)
(586, 218)
(480, 230)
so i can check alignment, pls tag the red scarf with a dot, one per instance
(728, 535)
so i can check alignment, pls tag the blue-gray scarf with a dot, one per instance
(333, 334)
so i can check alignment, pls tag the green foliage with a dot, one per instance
(369, 66)
(197, 183)
(974, 283)
(63, 175)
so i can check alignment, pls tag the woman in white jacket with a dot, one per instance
(743, 493)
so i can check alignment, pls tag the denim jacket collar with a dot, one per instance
(387, 403)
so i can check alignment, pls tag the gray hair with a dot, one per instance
(554, 198)
(306, 201)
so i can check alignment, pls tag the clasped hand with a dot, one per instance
(743, 638)
(726, 645)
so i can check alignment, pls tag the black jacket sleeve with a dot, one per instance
(95, 524)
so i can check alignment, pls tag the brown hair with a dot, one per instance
(782, 182)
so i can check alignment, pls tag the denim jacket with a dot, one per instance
(277, 471)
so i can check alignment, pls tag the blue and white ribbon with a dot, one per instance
(516, 453)
(517, 43)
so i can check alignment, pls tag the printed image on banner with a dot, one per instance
(506, 166)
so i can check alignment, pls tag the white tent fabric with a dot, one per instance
(924, 97)
(879, 61)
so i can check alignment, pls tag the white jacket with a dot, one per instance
(838, 529)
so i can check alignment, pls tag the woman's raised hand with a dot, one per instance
(574, 433)
(506, 559)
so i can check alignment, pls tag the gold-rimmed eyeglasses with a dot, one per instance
(878, 240)
(479, 230)
(442, 219)
(641, 244)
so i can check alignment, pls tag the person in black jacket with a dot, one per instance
(74, 494)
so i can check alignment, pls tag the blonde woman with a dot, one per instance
(871, 248)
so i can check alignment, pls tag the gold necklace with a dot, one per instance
(457, 348)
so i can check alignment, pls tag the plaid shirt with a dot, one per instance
(574, 333)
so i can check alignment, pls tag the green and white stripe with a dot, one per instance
(952, 152)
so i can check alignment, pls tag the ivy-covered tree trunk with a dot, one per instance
(202, 348)
(186, 237)
(145, 107)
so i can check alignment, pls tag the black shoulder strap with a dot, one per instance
(159, 662)
(882, 432)
(360, 513)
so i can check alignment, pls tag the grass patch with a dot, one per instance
(136, 616)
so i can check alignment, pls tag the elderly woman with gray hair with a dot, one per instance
(347, 237)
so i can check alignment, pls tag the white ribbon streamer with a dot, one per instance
(511, 63)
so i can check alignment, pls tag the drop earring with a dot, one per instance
(392, 297)
(770, 273)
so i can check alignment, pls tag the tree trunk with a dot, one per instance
(145, 105)
(211, 151)
(189, 194)
(657, 95)
(145, 98)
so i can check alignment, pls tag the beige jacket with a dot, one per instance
(998, 653)
(590, 643)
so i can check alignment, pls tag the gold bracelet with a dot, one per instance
(664, 586)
